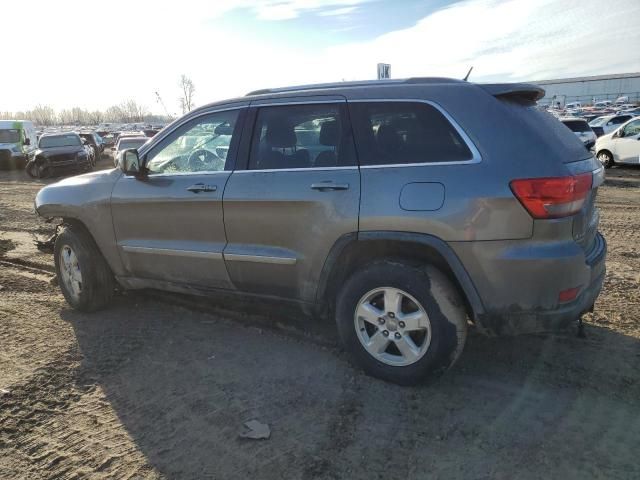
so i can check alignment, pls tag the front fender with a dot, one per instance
(87, 199)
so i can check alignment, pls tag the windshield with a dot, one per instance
(60, 141)
(132, 143)
(598, 122)
(10, 136)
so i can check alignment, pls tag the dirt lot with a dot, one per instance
(156, 388)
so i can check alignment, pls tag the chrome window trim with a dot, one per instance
(172, 252)
(475, 153)
(272, 102)
(203, 173)
(312, 169)
(240, 257)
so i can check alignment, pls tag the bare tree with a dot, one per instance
(42, 115)
(188, 90)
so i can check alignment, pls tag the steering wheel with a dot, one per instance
(202, 159)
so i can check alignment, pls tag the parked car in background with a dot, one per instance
(633, 111)
(94, 142)
(609, 123)
(581, 129)
(603, 104)
(373, 208)
(620, 147)
(573, 106)
(57, 152)
(125, 142)
(18, 141)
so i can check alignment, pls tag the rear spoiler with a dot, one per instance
(520, 91)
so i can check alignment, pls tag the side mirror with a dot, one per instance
(129, 162)
(620, 133)
(27, 141)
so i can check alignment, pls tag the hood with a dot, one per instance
(60, 150)
(101, 176)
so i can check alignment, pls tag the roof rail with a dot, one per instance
(360, 83)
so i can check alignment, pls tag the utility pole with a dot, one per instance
(159, 100)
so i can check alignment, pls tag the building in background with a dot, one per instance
(588, 90)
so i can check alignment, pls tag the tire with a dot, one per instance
(424, 287)
(606, 158)
(35, 169)
(96, 282)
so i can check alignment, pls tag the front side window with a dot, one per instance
(11, 135)
(391, 133)
(201, 145)
(632, 128)
(301, 136)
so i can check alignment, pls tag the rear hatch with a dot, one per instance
(569, 194)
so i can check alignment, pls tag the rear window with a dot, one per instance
(60, 141)
(133, 143)
(11, 135)
(390, 133)
(577, 125)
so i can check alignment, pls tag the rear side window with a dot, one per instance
(301, 136)
(391, 133)
(577, 125)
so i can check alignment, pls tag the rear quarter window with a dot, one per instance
(392, 133)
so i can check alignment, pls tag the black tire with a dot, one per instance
(438, 297)
(606, 158)
(97, 280)
(36, 169)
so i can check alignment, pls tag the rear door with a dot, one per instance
(628, 146)
(297, 193)
(169, 226)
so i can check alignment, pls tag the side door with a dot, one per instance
(628, 146)
(295, 193)
(169, 225)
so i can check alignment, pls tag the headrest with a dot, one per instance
(280, 135)
(330, 133)
(388, 138)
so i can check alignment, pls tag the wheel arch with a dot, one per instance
(353, 250)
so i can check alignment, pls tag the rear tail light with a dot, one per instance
(553, 197)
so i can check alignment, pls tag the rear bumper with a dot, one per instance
(523, 297)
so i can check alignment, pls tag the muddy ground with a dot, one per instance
(158, 387)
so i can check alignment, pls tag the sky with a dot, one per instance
(93, 54)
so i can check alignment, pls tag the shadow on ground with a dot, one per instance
(182, 383)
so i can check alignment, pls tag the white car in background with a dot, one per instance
(581, 129)
(609, 123)
(621, 146)
(125, 142)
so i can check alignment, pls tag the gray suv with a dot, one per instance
(404, 209)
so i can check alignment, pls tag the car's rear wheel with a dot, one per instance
(606, 159)
(83, 274)
(401, 323)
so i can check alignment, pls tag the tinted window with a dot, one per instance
(301, 136)
(577, 125)
(201, 145)
(405, 132)
(10, 136)
(620, 120)
(60, 141)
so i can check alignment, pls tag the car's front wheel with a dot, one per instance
(84, 277)
(401, 323)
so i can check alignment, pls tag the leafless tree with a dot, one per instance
(188, 90)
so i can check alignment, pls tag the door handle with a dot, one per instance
(201, 187)
(326, 186)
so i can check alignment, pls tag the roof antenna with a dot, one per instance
(466, 77)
